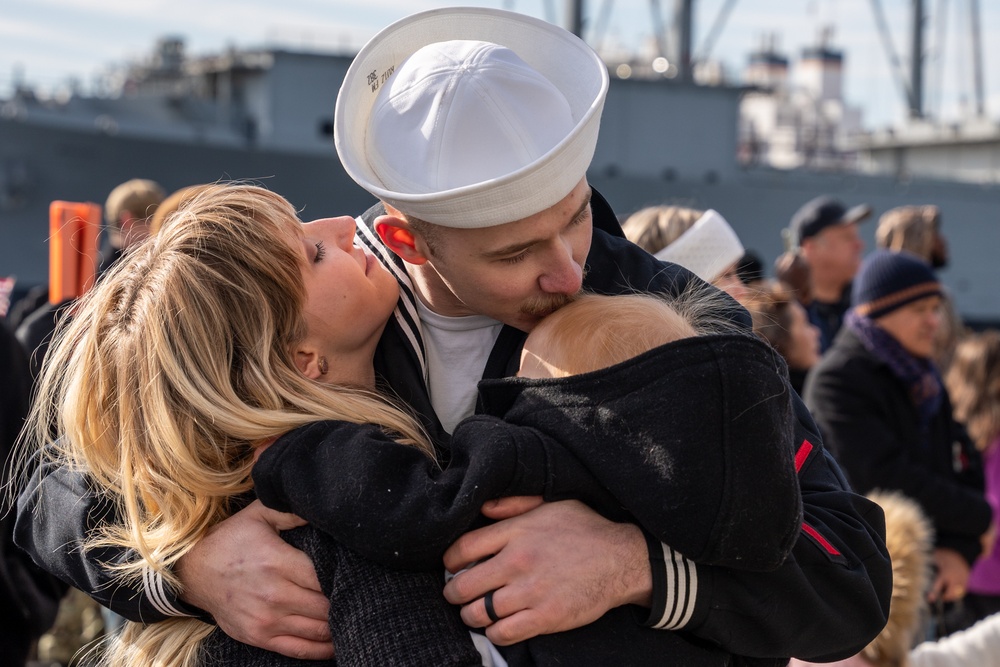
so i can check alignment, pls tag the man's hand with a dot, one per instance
(260, 590)
(554, 567)
(952, 576)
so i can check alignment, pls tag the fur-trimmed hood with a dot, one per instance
(909, 538)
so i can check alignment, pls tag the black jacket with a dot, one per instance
(674, 440)
(871, 425)
(828, 599)
(378, 616)
(829, 317)
(29, 597)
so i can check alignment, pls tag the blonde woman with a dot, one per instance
(236, 324)
(199, 347)
(700, 241)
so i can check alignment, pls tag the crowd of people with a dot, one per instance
(487, 423)
(902, 394)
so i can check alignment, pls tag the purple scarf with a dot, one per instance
(919, 375)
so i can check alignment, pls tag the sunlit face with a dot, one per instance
(914, 325)
(349, 294)
(730, 283)
(517, 272)
(803, 340)
(836, 252)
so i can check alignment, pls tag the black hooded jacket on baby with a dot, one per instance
(673, 440)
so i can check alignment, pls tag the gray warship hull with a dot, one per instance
(661, 142)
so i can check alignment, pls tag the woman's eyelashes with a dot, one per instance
(320, 251)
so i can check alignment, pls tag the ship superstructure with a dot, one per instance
(266, 115)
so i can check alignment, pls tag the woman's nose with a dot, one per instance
(340, 229)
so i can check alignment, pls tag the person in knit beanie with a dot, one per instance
(917, 229)
(889, 280)
(881, 405)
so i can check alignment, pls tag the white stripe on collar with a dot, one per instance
(406, 309)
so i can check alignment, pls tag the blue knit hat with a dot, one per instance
(888, 280)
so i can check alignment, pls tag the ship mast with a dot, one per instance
(681, 38)
(913, 85)
(917, 61)
(574, 17)
(977, 56)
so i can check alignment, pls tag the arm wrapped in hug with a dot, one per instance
(677, 440)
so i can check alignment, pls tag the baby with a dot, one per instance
(616, 396)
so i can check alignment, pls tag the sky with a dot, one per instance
(48, 43)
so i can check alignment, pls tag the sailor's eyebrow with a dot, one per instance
(514, 248)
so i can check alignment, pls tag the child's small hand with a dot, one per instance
(259, 449)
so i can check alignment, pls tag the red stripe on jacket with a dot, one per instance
(805, 449)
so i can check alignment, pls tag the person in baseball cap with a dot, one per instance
(823, 212)
(825, 233)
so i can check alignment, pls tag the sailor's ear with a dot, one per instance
(398, 236)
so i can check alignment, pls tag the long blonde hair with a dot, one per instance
(974, 386)
(169, 374)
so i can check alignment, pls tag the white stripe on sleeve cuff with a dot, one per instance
(152, 584)
(681, 590)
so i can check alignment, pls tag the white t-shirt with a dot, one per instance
(457, 350)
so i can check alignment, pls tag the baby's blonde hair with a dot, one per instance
(596, 331)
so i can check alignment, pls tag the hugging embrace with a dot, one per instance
(693, 514)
